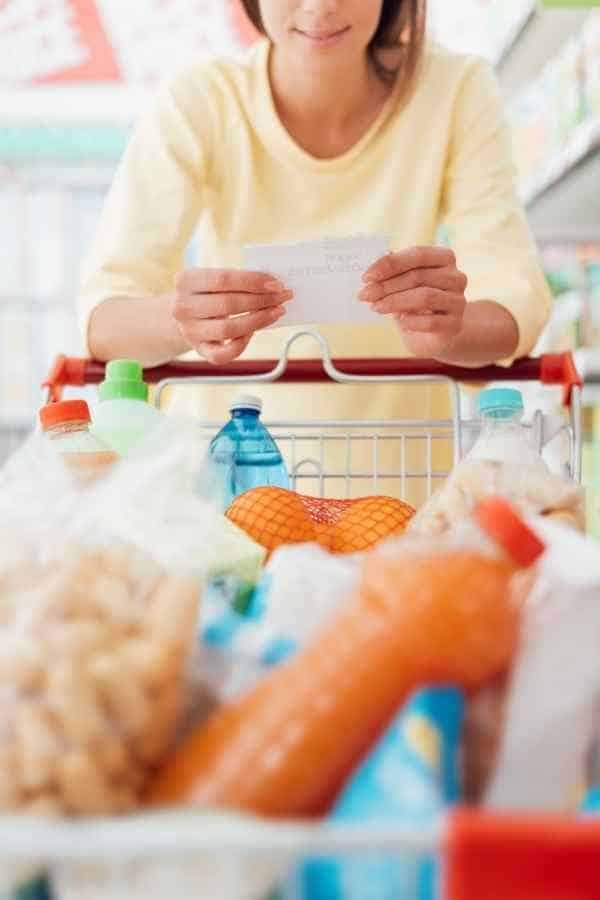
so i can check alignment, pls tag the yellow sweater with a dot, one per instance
(211, 153)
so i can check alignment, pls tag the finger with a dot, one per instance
(210, 330)
(219, 353)
(224, 281)
(444, 279)
(220, 306)
(430, 324)
(422, 301)
(394, 264)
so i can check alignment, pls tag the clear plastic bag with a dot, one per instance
(99, 593)
(547, 717)
(301, 587)
(530, 489)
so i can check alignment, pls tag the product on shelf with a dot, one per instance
(591, 55)
(274, 517)
(571, 97)
(286, 747)
(564, 95)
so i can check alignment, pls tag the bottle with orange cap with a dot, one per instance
(67, 427)
(423, 614)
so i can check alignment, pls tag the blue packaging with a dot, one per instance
(409, 779)
(591, 803)
(240, 644)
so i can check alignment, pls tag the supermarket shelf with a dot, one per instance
(541, 34)
(588, 364)
(566, 189)
(515, 32)
(567, 233)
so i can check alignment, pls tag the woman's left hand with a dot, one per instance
(424, 291)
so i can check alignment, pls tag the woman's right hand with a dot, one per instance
(218, 310)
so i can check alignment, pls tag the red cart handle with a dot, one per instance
(549, 369)
(520, 857)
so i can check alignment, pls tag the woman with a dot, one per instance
(343, 120)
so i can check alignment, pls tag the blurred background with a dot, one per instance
(74, 75)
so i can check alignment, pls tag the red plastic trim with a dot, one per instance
(520, 857)
(551, 370)
(66, 371)
(559, 368)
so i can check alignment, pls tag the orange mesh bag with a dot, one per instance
(273, 516)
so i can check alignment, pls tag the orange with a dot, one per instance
(273, 516)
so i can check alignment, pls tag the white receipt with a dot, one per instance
(325, 276)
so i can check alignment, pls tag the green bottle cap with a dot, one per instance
(123, 380)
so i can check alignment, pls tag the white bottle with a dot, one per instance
(503, 437)
(123, 416)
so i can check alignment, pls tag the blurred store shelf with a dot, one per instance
(523, 16)
(542, 33)
(588, 365)
(567, 188)
(11, 437)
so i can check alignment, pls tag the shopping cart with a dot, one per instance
(306, 444)
(195, 855)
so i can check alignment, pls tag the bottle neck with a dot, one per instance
(493, 424)
(244, 414)
(67, 428)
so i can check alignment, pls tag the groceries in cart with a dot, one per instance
(286, 747)
(502, 436)
(409, 778)
(99, 594)
(344, 661)
(240, 643)
(532, 491)
(123, 416)
(274, 517)
(66, 425)
(243, 455)
(503, 462)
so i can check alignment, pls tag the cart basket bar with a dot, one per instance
(557, 369)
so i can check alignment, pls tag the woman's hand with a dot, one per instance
(218, 310)
(424, 291)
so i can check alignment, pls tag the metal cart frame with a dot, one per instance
(552, 369)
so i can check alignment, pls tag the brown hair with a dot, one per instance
(402, 24)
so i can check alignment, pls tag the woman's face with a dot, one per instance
(321, 32)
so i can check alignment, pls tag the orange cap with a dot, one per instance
(66, 411)
(501, 522)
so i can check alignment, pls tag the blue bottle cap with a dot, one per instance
(500, 403)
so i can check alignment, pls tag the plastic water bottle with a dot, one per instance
(503, 437)
(123, 416)
(244, 454)
(66, 425)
